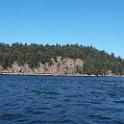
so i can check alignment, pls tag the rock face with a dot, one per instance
(60, 66)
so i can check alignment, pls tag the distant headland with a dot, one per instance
(69, 59)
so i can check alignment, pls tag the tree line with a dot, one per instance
(95, 61)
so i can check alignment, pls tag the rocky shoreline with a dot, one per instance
(59, 67)
(65, 75)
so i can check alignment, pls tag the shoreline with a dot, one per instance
(49, 74)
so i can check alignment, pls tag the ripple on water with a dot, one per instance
(22, 120)
(61, 100)
(38, 122)
(100, 116)
(11, 116)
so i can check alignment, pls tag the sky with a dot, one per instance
(99, 23)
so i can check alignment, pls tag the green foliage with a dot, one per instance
(95, 61)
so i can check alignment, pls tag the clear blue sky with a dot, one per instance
(90, 22)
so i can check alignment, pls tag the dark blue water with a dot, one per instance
(61, 100)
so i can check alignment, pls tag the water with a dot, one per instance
(61, 100)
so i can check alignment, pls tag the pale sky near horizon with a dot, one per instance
(99, 23)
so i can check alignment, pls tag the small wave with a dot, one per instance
(100, 116)
(37, 122)
(11, 116)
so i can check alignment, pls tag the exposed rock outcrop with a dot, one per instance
(60, 66)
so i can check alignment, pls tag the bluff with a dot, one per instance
(60, 66)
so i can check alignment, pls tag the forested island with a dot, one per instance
(72, 59)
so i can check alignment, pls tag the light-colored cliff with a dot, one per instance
(60, 66)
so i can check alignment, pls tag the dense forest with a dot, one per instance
(95, 61)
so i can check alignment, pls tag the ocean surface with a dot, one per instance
(61, 100)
